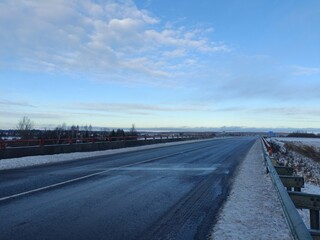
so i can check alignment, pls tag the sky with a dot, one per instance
(160, 63)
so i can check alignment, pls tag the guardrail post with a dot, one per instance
(297, 189)
(314, 219)
(2, 145)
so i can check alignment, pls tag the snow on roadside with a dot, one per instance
(47, 159)
(252, 210)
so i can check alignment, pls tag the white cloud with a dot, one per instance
(300, 70)
(86, 36)
(10, 103)
(291, 113)
(177, 53)
(139, 109)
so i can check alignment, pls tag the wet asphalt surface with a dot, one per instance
(172, 192)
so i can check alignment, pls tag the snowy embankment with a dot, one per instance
(300, 154)
(304, 166)
(47, 159)
(252, 210)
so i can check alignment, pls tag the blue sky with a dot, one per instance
(160, 63)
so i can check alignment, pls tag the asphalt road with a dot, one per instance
(172, 192)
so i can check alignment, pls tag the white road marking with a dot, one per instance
(84, 177)
(166, 169)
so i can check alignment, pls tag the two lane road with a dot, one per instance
(171, 192)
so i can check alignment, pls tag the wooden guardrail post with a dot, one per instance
(2, 144)
(308, 201)
(314, 219)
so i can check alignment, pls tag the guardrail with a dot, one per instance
(296, 224)
(44, 142)
(22, 148)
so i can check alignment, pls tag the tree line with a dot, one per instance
(304, 135)
(25, 131)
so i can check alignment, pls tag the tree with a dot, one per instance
(90, 130)
(112, 135)
(59, 131)
(24, 127)
(120, 133)
(133, 131)
(74, 131)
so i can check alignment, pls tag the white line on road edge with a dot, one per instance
(166, 169)
(88, 176)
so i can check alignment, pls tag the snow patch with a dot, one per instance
(252, 210)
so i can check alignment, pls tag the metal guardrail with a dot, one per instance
(298, 228)
(45, 142)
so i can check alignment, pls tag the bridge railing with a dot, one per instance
(57, 141)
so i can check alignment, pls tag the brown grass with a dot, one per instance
(305, 150)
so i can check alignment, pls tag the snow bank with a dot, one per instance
(252, 210)
(47, 159)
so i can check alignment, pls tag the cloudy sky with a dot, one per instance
(160, 63)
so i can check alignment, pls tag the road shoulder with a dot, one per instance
(252, 210)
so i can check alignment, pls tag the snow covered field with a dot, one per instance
(315, 142)
(252, 210)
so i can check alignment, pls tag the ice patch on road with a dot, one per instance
(252, 210)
